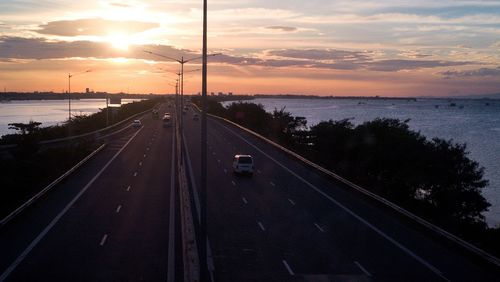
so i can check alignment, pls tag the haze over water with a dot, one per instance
(470, 121)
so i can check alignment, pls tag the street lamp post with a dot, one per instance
(182, 61)
(69, 91)
(177, 90)
(203, 180)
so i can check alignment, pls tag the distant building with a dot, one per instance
(212, 93)
(230, 93)
(87, 90)
(220, 94)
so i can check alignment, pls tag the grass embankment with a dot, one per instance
(29, 167)
(434, 179)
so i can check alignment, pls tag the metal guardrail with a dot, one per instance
(468, 246)
(33, 199)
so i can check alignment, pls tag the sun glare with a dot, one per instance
(119, 41)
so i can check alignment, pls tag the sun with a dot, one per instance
(119, 41)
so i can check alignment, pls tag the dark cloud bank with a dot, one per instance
(38, 48)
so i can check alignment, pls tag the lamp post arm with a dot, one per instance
(163, 56)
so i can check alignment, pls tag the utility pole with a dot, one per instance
(203, 198)
(107, 111)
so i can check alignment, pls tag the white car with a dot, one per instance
(167, 122)
(243, 164)
(136, 123)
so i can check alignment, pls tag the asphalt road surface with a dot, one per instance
(115, 219)
(289, 223)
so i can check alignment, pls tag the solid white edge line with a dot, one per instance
(171, 220)
(291, 202)
(288, 268)
(261, 226)
(272, 183)
(40, 236)
(103, 240)
(244, 200)
(118, 208)
(128, 188)
(378, 231)
(234, 184)
(363, 269)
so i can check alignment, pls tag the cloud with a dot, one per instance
(414, 54)
(120, 5)
(94, 27)
(321, 54)
(38, 48)
(482, 72)
(397, 65)
(283, 28)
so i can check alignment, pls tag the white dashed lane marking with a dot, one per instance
(288, 268)
(103, 240)
(362, 269)
(319, 227)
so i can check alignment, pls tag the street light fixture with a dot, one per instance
(182, 61)
(69, 90)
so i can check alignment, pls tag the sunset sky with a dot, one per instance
(320, 47)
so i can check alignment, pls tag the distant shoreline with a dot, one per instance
(15, 96)
(23, 96)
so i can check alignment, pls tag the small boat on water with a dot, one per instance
(453, 105)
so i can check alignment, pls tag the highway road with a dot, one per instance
(115, 219)
(290, 223)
